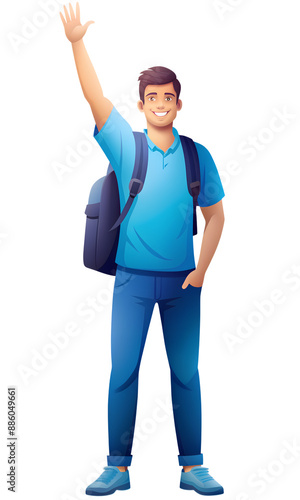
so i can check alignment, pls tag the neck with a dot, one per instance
(162, 137)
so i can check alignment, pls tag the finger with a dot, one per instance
(63, 19)
(67, 14)
(77, 12)
(72, 13)
(86, 25)
(185, 284)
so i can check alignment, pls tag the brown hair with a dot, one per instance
(158, 75)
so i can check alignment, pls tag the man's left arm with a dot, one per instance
(214, 222)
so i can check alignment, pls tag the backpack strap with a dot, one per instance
(192, 173)
(138, 175)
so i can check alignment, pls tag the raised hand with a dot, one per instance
(73, 27)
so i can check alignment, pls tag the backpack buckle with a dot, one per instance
(195, 189)
(135, 186)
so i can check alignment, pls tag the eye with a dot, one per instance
(151, 98)
(169, 98)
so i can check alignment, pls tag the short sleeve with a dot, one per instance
(211, 191)
(113, 135)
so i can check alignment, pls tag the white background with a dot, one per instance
(238, 63)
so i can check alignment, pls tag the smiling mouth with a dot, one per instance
(160, 114)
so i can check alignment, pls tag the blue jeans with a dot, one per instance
(135, 294)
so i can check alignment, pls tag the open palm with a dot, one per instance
(73, 27)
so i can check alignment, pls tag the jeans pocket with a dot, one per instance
(122, 278)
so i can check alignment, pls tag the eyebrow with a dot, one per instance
(155, 93)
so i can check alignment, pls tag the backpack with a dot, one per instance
(103, 215)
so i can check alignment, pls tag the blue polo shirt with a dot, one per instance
(157, 233)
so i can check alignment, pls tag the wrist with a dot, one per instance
(200, 273)
(77, 43)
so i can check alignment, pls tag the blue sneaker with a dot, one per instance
(199, 480)
(111, 479)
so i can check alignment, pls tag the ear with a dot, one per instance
(179, 105)
(140, 105)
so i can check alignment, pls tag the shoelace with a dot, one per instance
(107, 475)
(202, 473)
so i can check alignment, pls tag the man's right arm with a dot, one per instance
(101, 106)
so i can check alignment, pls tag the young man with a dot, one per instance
(155, 264)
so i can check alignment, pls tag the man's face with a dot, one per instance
(160, 106)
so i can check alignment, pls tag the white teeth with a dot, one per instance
(160, 114)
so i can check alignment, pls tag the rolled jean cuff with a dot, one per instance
(190, 459)
(119, 460)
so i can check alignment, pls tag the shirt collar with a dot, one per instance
(171, 149)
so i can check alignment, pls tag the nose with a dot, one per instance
(160, 104)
